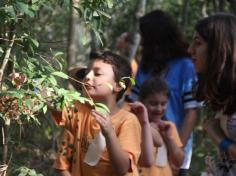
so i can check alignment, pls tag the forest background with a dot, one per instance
(41, 39)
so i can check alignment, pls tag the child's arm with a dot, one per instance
(146, 158)
(119, 158)
(176, 153)
(157, 139)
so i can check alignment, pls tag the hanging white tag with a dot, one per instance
(95, 150)
(161, 159)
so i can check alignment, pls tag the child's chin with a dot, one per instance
(156, 119)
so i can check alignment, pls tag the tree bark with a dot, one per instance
(185, 14)
(72, 33)
(233, 5)
(221, 5)
(136, 36)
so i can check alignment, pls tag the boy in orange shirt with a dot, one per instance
(94, 144)
(161, 146)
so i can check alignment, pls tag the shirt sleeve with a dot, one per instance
(64, 155)
(176, 135)
(130, 141)
(189, 79)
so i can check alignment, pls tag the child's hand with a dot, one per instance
(140, 111)
(166, 129)
(104, 122)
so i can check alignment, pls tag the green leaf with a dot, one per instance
(32, 172)
(1, 50)
(85, 39)
(22, 6)
(73, 95)
(110, 3)
(98, 36)
(37, 108)
(101, 108)
(95, 14)
(122, 84)
(132, 81)
(45, 108)
(104, 14)
(35, 42)
(34, 1)
(10, 10)
(28, 103)
(109, 86)
(61, 74)
(58, 54)
(52, 80)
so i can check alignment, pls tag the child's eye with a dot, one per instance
(163, 104)
(153, 103)
(197, 42)
(97, 74)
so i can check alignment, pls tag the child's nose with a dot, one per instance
(88, 76)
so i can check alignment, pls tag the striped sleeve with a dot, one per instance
(189, 78)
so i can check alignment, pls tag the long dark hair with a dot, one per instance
(217, 85)
(162, 40)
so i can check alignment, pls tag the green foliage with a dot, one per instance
(31, 81)
(24, 171)
(94, 14)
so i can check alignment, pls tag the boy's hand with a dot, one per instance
(104, 122)
(140, 111)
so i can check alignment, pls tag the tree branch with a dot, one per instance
(6, 58)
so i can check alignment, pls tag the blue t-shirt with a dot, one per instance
(180, 77)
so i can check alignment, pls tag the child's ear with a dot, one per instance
(118, 87)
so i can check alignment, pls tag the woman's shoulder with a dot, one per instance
(182, 61)
(182, 64)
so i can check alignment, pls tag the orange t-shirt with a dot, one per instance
(81, 128)
(155, 170)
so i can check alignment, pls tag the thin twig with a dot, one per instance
(6, 59)
(86, 91)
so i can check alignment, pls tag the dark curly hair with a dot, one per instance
(162, 40)
(152, 86)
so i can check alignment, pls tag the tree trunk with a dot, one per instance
(136, 35)
(204, 9)
(185, 14)
(72, 33)
(233, 5)
(94, 42)
(221, 5)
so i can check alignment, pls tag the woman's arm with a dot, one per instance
(214, 131)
